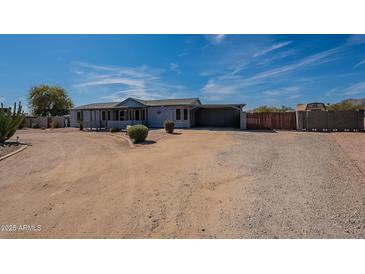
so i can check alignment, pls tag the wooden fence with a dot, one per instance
(271, 120)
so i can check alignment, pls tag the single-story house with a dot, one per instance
(186, 113)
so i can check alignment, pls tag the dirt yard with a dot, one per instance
(193, 184)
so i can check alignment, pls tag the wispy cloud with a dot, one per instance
(276, 57)
(362, 62)
(282, 91)
(2, 99)
(331, 92)
(358, 88)
(121, 82)
(215, 38)
(175, 67)
(356, 39)
(272, 48)
(231, 85)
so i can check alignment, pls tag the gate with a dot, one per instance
(271, 120)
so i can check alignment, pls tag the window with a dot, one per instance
(136, 113)
(103, 115)
(178, 114)
(143, 115)
(122, 115)
(109, 113)
(79, 116)
(185, 114)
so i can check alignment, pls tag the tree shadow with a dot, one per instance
(147, 142)
(261, 131)
(216, 128)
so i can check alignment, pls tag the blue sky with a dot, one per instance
(253, 69)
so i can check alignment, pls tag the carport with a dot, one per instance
(226, 115)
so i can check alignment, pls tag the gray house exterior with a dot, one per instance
(186, 113)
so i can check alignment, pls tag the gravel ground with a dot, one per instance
(303, 186)
(6, 148)
(193, 184)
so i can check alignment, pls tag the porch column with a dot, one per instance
(189, 110)
(243, 123)
(100, 119)
(91, 119)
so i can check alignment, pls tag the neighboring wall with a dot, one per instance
(44, 122)
(330, 120)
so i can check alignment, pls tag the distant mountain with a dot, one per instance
(360, 102)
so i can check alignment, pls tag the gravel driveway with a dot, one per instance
(193, 184)
(302, 186)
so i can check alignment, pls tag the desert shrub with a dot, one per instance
(113, 129)
(10, 121)
(169, 126)
(54, 124)
(22, 124)
(35, 125)
(138, 133)
(81, 126)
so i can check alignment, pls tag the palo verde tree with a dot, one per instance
(344, 105)
(45, 100)
(265, 108)
(10, 121)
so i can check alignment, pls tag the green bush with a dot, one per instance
(22, 124)
(81, 126)
(169, 126)
(137, 133)
(35, 125)
(114, 129)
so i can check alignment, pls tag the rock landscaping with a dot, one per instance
(8, 147)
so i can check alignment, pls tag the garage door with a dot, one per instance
(217, 117)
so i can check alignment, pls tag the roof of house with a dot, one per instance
(171, 102)
(221, 105)
(163, 102)
(98, 105)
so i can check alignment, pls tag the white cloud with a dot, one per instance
(331, 92)
(122, 82)
(281, 91)
(355, 89)
(272, 48)
(359, 64)
(231, 85)
(2, 99)
(175, 67)
(275, 57)
(109, 80)
(215, 38)
(295, 96)
(356, 39)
